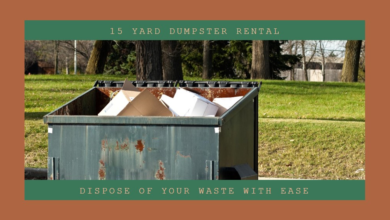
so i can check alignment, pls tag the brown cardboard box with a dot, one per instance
(131, 102)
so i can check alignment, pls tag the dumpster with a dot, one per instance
(84, 146)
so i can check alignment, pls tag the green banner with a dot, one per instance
(194, 30)
(195, 190)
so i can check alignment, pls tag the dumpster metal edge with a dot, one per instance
(45, 117)
(126, 120)
(238, 105)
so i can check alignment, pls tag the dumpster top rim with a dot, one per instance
(127, 120)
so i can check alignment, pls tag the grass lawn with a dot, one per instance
(311, 149)
(308, 130)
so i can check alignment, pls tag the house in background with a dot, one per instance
(333, 67)
(40, 67)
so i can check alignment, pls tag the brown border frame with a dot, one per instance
(12, 132)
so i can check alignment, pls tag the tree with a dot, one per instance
(280, 62)
(207, 60)
(233, 59)
(171, 60)
(239, 52)
(304, 60)
(66, 52)
(84, 47)
(56, 48)
(362, 63)
(295, 54)
(351, 61)
(321, 51)
(31, 48)
(121, 59)
(230, 59)
(55, 53)
(98, 57)
(192, 57)
(290, 46)
(148, 64)
(260, 60)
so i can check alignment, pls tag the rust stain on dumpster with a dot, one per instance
(104, 144)
(102, 170)
(211, 93)
(103, 97)
(125, 145)
(140, 146)
(242, 91)
(157, 92)
(117, 145)
(160, 174)
(122, 146)
(107, 91)
(102, 174)
(181, 155)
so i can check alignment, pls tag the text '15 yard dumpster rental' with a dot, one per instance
(162, 139)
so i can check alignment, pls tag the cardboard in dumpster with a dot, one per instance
(225, 103)
(131, 102)
(186, 103)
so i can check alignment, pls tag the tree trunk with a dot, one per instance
(98, 57)
(295, 53)
(66, 66)
(207, 60)
(323, 68)
(305, 76)
(149, 66)
(260, 60)
(304, 68)
(56, 44)
(351, 61)
(323, 61)
(290, 47)
(171, 60)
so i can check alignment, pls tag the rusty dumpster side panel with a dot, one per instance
(119, 152)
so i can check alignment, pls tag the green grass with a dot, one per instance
(331, 145)
(44, 93)
(312, 100)
(311, 149)
(35, 143)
